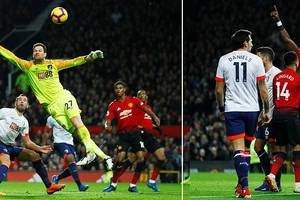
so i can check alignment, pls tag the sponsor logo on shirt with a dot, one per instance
(15, 127)
(44, 75)
(125, 113)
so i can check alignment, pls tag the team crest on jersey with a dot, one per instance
(119, 147)
(130, 105)
(50, 67)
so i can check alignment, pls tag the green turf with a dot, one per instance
(24, 190)
(221, 186)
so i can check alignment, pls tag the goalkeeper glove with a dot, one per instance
(94, 55)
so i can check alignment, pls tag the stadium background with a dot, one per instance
(141, 41)
(208, 26)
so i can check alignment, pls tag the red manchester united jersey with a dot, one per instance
(126, 113)
(144, 119)
(286, 90)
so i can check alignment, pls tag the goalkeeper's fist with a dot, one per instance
(94, 55)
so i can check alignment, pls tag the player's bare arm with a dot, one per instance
(45, 136)
(31, 145)
(107, 126)
(265, 99)
(219, 93)
(283, 33)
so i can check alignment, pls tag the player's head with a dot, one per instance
(21, 103)
(290, 59)
(39, 52)
(241, 39)
(120, 88)
(142, 95)
(266, 54)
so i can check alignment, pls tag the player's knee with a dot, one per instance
(131, 158)
(141, 159)
(257, 148)
(69, 158)
(160, 154)
(34, 156)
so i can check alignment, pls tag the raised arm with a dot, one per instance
(283, 33)
(12, 58)
(65, 64)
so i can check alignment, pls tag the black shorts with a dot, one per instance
(150, 142)
(287, 128)
(133, 140)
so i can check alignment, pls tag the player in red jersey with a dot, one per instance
(124, 109)
(286, 97)
(151, 144)
(284, 34)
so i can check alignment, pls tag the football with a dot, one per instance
(59, 15)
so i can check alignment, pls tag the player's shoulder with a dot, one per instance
(112, 103)
(50, 119)
(149, 107)
(275, 70)
(7, 110)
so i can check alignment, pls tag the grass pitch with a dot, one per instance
(221, 186)
(25, 190)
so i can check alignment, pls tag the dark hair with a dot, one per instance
(40, 44)
(266, 51)
(141, 90)
(290, 57)
(239, 37)
(21, 95)
(119, 83)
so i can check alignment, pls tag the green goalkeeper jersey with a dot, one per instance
(43, 78)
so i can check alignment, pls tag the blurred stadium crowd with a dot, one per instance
(208, 26)
(141, 44)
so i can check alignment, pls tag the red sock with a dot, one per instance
(136, 177)
(157, 168)
(155, 173)
(296, 165)
(278, 161)
(137, 173)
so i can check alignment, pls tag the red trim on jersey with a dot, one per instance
(219, 79)
(250, 138)
(234, 137)
(272, 140)
(26, 134)
(259, 78)
(48, 128)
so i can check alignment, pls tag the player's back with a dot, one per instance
(240, 70)
(286, 91)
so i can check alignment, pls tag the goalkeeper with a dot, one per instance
(44, 81)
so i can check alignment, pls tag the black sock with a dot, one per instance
(42, 172)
